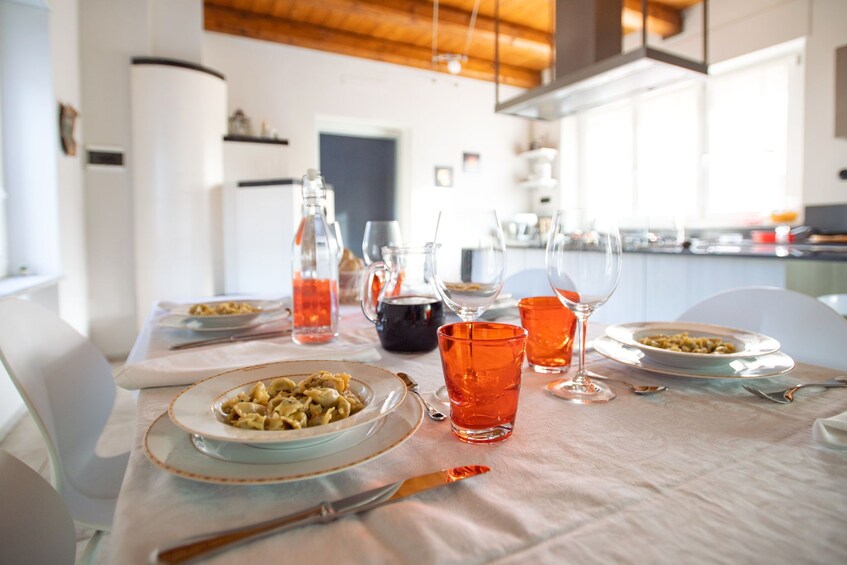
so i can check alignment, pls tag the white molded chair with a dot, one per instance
(837, 302)
(530, 282)
(68, 388)
(35, 525)
(808, 330)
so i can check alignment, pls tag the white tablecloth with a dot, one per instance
(703, 473)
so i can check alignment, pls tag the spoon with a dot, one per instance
(412, 386)
(637, 389)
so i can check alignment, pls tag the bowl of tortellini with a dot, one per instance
(288, 404)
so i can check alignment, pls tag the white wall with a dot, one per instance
(111, 33)
(298, 90)
(64, 53)
(825, 154)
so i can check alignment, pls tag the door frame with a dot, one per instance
(380, 130)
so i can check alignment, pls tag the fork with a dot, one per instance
(786, 396)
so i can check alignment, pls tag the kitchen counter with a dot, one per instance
(743, 249)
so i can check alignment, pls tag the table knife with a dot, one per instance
(230, 339)
(200, 547)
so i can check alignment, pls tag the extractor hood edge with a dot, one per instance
(545, 102)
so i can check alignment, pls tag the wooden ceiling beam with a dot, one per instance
(662, 20)
(310, 36)
(452, 22)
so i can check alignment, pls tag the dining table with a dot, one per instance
(704, 472)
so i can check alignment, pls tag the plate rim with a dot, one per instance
(176, 320)
(628, 339)
(293, 436)
(681, 371)
(416, 418)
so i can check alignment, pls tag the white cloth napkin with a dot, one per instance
(189, 367)
(831, 432)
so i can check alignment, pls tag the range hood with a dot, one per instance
(591, 70)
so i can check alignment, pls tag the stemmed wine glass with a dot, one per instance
(583, 264)
(470, 263)
(379, 234)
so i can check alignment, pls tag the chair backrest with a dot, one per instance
(807, 329)
(837, 302)
(64, 380)
(35, 524)
(530, 282)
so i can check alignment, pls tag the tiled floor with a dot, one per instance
(25, 443)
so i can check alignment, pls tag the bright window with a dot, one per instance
(716, 152)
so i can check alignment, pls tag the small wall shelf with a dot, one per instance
(254, 139)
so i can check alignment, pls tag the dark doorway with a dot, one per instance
(362, 171)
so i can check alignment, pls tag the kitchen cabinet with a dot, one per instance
(661, 287)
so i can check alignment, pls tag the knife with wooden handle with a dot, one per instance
(200, 547)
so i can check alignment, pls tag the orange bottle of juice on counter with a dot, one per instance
(314, 269)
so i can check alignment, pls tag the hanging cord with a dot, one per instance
(435, 33)
(470, 29)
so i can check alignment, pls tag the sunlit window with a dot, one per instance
(713, 152)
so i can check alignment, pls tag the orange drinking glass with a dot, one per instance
(482, 370)
(551, 329)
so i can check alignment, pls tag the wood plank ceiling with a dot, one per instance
(401, 31)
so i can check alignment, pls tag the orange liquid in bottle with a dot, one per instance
(315, 301)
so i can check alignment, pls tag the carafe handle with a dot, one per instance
(369, 301)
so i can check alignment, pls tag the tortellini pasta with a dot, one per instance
(319, 399)
(223, 309)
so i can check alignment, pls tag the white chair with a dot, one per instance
(530, 282)
(837, 302)
(67, 386)
(808, 330)
(35, 525)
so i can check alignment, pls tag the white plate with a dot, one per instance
(169, 447)
(769, 365)
(179, 313)
(747, 344)
(194, 410)
(180, 322)
(245, 453)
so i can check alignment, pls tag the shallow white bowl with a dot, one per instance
(222, 321)
(747, 344)
(196, 408)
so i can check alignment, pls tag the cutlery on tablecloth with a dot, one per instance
(195, 548)
(230, 339)
(786, 396)
(637, 389)
(412, 386)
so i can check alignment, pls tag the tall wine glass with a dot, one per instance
(379, 234)
(470, 263)
(583, 264)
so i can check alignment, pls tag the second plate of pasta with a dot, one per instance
(288, 404)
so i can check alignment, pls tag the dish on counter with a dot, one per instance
(767, 365)
(747, 344)
(170, 448)
(504, 305)
(223, 314)
(197, 409)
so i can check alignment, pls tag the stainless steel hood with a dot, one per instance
(591, 69)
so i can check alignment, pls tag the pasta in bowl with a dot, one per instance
(224, 313)
(312, 389)
(692, 345)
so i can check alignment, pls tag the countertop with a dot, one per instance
(815, 252)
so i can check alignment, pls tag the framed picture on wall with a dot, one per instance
(443, 176)
(470, 163)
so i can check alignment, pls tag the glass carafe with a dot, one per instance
(408, 310)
